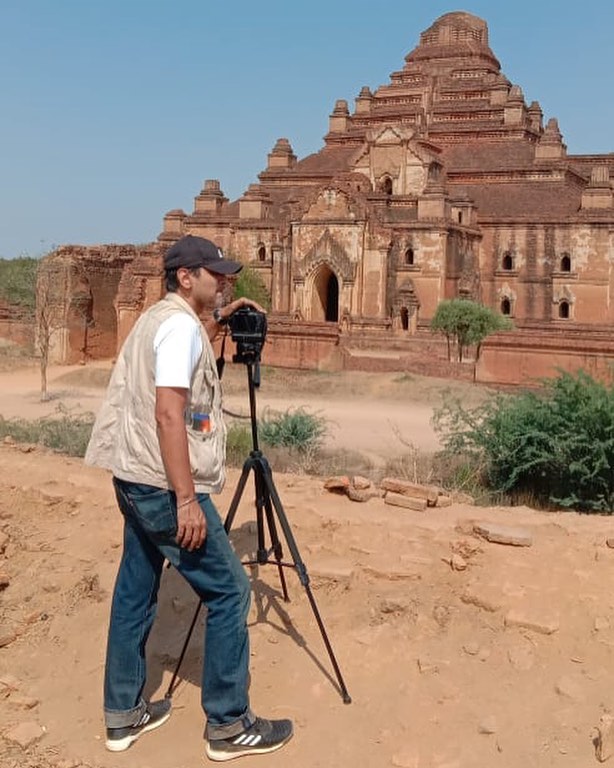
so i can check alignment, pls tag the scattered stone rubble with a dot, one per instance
(394, 491)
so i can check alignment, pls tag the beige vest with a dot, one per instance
(124, 438)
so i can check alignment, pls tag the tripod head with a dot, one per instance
(248, 330)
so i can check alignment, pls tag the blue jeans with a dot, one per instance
(219, 580)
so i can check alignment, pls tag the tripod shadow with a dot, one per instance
(177, 604)
(268, 601)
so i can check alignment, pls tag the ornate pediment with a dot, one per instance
(327, 250)
(331, 203)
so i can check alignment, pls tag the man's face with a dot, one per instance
(205, 287)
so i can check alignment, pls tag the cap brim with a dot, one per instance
(224, 267)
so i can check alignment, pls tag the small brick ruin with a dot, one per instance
(442, 183)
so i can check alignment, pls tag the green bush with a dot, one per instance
(238, 443)
(555, 446)
(18, 282)
(294, 428)
(64, 432)
(252, 286)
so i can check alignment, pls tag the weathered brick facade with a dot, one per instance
(441, 183)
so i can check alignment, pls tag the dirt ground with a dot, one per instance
(457, 652)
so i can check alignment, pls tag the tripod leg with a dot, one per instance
(171, 685)
(234, 504)
(276, 546)
(302, 573)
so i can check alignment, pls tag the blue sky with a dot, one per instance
(115, 111)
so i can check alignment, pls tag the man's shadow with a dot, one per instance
(178, 604)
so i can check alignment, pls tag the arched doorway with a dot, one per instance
(404, 314)
(325, 296)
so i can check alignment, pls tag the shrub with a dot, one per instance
(294, 428)
(251, 285)
(63, 432)
(238, 443)
(555, 446)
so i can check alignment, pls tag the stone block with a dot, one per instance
(409, 502)
(543, 626)
(503, 534)
(406, 488)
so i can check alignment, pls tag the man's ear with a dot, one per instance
(183, 278)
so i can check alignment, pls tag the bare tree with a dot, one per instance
(49, 316)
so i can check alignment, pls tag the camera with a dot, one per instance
(248, 331)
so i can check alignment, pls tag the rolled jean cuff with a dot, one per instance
(228, 730)
(124, 718)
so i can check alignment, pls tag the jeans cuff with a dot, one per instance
(115, 718)
(228, 730)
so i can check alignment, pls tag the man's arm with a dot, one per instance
(170, 407)
(212, 328)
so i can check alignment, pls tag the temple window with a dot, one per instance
(261, 253)
(564, 310)
(460, 217)
(506, 307)
(507, 263)
(409, 257)
(434, 172)
(565, 263)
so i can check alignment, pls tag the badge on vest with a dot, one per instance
(200, 422)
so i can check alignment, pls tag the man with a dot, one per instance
(161, 433)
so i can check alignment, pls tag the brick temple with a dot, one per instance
(441, 183)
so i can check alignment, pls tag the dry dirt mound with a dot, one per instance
(457, 651)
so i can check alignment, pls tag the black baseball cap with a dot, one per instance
(192, 251)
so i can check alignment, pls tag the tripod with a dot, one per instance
(268, 505)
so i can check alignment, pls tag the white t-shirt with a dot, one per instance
(178, 346)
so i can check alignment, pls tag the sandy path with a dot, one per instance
(369, 425)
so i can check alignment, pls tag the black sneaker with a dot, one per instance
(157, 713)
(261, 737)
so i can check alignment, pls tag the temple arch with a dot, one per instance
(324, 295)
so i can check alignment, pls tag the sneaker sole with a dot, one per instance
(220, 757)
(119, 745)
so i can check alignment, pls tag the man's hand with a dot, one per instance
(191, 525)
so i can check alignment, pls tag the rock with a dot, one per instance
(356, 494)
(4, 540)
(443, 501)
(6, 638)
(417, 491)
(25, 734)
(541, 626)
(568, 689)
(430, 666)
(458, 563)
(361, 483)
(337, 484)
(472, 649)
(24, 702)
(9, 683)
(604, 742)
(488, 725)
(503, 534)
(489, 604)
(610, 543)
(409, 502)
(4, 580)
